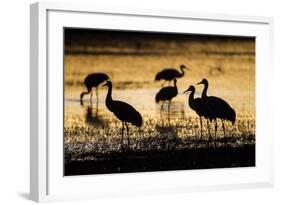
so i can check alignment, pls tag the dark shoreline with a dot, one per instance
(148, 161)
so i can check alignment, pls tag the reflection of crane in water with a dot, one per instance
(177, 111)
(167, 94)
(93, 118)
(170, 74)
(199, 106)
(219, 109)
(93, 80)
(123, 111)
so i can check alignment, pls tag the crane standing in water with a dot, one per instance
(167, 94)
(170, 74)
(123, 111)
(93, 80)
(219, 109)
(200, 107)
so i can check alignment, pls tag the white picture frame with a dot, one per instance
(47, 182)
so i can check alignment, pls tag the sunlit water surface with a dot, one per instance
(230, 71)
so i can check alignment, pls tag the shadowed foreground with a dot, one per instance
(141, 161)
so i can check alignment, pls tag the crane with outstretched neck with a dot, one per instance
(170, 74)
(200, 107)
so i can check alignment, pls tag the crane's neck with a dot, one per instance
(84, 93)
(204, 93)
(182, 71)
(191, 99)
(175, 85)
(108, 100)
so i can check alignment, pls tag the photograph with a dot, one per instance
(143, 101)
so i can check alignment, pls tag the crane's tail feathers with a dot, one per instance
(157, 100)
(233, 117)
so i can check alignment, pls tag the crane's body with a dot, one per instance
(199, 106)
(219, 108)
(93, 80)
(123, 111)
(167, 94)
(170, 74)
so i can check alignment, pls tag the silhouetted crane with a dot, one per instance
(167, 94)
(219, 109)
(123, 111)
(170, 74)
(200, 107)
(93, 80)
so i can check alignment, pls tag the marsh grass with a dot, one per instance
(84, 142)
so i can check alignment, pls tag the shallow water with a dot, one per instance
(228, 65)
(137, 87)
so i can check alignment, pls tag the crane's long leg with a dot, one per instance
(97, 96)
(169, 105)
(161, 108)
(224, 132)
(201, 129)
(216, 127)
(122, 133)
(96, 111)
(91, 97)
(140, 131)
(127, 127)
(91, 107)
(208, 126)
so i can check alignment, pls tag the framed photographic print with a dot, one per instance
(129, 101)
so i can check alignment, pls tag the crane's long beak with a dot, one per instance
(186, 91)
(186, 68)
(199, 83)
(104, 84)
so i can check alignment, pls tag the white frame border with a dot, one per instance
(38, 82)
